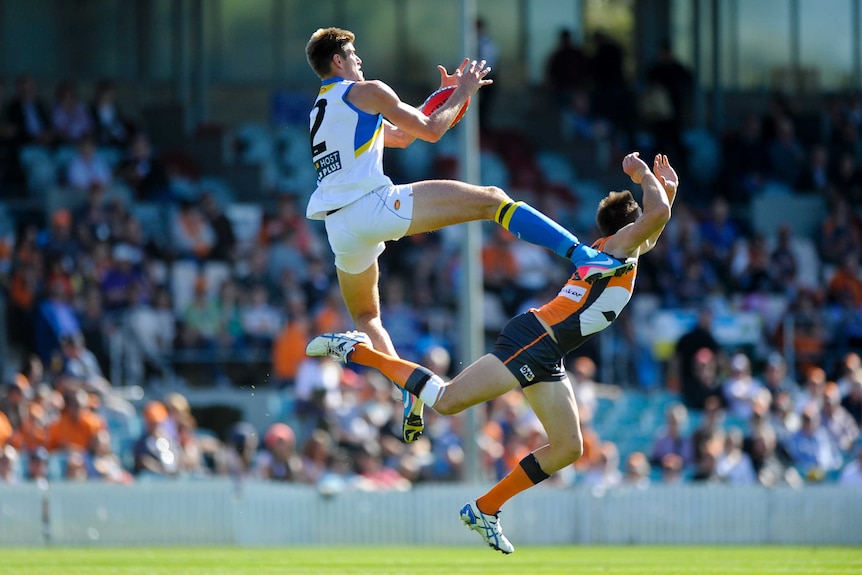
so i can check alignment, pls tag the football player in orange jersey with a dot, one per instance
(531, 347)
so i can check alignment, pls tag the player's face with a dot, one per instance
(352, 64)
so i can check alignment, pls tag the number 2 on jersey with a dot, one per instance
(320, 147)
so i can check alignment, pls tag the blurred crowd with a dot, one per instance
(145, 266)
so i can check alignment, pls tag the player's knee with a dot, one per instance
(573, 448)
(444, 406)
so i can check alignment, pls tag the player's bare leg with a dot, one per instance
(441, 203)
(361, 295)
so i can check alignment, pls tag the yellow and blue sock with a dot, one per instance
(531, 225)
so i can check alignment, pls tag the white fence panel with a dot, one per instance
(159, 513)
(21, 515)
(269, 514)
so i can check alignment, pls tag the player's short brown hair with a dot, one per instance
(616, 211)
(323, 45)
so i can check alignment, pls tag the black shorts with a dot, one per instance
(527, 349)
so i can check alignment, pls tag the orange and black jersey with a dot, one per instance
(581, 310)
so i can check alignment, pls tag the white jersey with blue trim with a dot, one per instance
(347, 150)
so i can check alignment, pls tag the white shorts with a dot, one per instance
(357, 231)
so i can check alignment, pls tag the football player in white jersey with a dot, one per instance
(350, 123)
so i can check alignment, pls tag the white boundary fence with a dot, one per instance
(267, 514)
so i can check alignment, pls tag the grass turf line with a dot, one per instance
(635, 560)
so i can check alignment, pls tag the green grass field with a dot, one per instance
(434, 560)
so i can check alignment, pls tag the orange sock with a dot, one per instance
(396, 369)
(526, 474)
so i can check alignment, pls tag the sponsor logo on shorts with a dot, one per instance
(397, 204)
(328, 164)
(527, 373)
(573, 292)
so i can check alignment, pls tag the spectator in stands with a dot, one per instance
(317, 393)
(848, 178)
(837, 420)
(111, 127)
(37, 465)
(69, 117)
(845, 287)
(56, 318)
(812, 449)
(103, 464)
(88, 170)
(734, 466)
(840, 232)
(241, 451)
(852, 401)
(77, 426)
(567, 68)
(286, 257)
(193, 450)
(75, 468)
(671, 438)
(846, 371)
(288, 217)
(6, 430)
(374, 474)
(153, 452)
(610, 92)
(772, 466)
(583, 374)
(719, 233)
(28, 115)
(200, 321)
(712, 421)
(261, 321)
(231, 302)
(750, 266)
(9, 473)
(785, 419)
(709, 452)
(144, 171)
(775, 378)
(578, 121)
(786, 154)
(280, 461)
(815, 177)
(125, 283)
(746, 151)
(58, 242)
(149, 331)
(812, 390)
(741, 387)
(605, 474)
(852, 472)
(316, 455)
(224, 248)
(79, 362)
(695, 370)
(637, 472)
(192, 234)
(672, 469)
(783, 264)
(288, 349)
(14, 404)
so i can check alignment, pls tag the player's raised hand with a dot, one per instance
(665, 173)
(473, 76)
(447, 79)
(634, 167)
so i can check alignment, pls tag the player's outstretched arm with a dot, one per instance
(633, 239)
(666, 175)
(405, 122)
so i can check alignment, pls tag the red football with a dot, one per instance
(439, 98)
